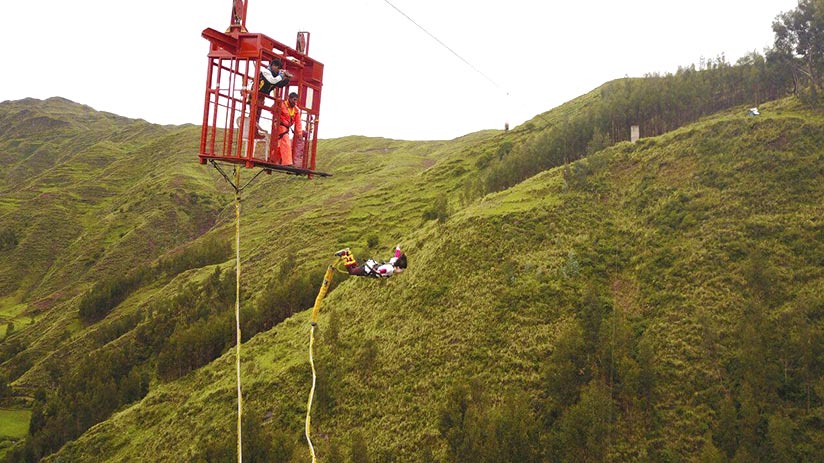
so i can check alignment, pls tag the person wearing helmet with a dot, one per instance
(371, 268)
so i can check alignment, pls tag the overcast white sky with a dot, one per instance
(384, 76)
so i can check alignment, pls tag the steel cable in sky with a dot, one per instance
(445, 45)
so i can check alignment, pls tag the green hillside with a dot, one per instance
(148, 216)
(570, 297)
(660, 301)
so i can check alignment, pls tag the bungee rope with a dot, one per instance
(237, 317)
(311, 393)
(238, 189)
(327, 280)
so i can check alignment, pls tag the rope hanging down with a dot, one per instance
(311, 393)
(324, 288)
(238, 189)
(237, 317)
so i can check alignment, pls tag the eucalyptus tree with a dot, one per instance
(799, 38)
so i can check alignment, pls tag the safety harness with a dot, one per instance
(373, 269)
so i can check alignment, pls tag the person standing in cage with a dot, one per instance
(270, 78)
(289, 120)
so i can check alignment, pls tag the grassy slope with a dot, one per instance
(99, 196)
(664, 227)
(15, 423)
(149, 198)
(65, 197)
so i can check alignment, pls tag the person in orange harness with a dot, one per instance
(289, 116)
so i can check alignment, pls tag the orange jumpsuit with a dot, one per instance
(288, 116)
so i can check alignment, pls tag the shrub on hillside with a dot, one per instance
(439, 210)
(5, 390)
(8, 239)
(209, 331)
(207, 252)
(477, 430)
(372, 240)
(104, 296)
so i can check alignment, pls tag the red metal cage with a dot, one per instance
(229, 134)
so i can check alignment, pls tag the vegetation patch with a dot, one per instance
(14, 423)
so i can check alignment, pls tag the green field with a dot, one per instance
(14, 423)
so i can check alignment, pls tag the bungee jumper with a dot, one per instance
(397, 264)
(371, 268)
